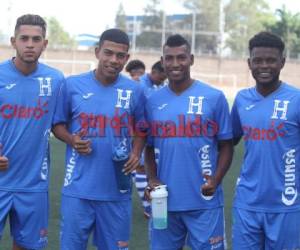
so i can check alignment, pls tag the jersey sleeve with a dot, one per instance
(139, 110)
(62, 110)
(235, 118)
(223, 119)
(148, 116)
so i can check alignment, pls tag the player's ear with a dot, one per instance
(13, 42)
(97, 50)
(192, 59)
(249, 63)
(162, 61)
(282, 61)
(45, 44)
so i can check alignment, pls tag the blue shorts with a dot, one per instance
(256, 230)
(200, 229)
(109, 221)
(28, 217)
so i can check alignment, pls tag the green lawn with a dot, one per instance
(139, 239)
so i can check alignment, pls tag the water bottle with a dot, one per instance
(159, 198)
(120, 157)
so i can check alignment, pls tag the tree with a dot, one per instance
(57, 36)
(151, 26)
(287, 26)
(244, 18)
(120, 19)
(206, 13)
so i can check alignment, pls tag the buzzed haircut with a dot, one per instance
(30, 19)
(114, 35)
(176, 41)
(266, 39)
(158, 66)
(135, 64)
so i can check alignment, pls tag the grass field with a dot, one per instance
(139, 240)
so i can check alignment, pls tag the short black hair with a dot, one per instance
(157, 66)
(266, 39)
(114, 35)
(176, 41)
(135, 64)
(31, 19)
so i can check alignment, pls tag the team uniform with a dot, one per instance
(91, 200)
(148, 86)
(267, 203)
(185, 130)
(27, 104)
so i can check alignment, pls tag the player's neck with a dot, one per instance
(24, 67)
(104, 80)
(266, 90)
(180, 86)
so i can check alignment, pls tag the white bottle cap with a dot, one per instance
(159, 192)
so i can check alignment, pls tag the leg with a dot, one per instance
(113, 221)
(141, 183)
(172, 238)
(205, 229)
(29, 220)
(77, 222)
(247, 231)
(5, 207)
(282, 231)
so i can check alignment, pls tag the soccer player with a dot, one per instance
(28, 95)
(267, 203)
(191, 134)
(154, 80)
(136, 68)
(96, 112)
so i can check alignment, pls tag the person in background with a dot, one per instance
(28, 96)
(153, 80)
(136, 68)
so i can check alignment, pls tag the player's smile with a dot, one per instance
(177, 62)
(265, 65)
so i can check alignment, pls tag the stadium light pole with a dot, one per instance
(134, 34)
(163, 35)
(221, 39)
(193, 31)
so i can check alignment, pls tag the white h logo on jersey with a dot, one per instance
(45, 86)
(193, 104)
(282, 109)
(121, 98)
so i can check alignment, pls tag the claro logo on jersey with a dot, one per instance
(267, 134)
(14, 111)
(290, 192)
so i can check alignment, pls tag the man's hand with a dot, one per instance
(132, 163)
(81, 146)
(209, 187)
(3, 163)
(152, 183)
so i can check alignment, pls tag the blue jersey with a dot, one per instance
(270, 127)
(100, 111)
(185, 130)
(27, 104)
(148, 86)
